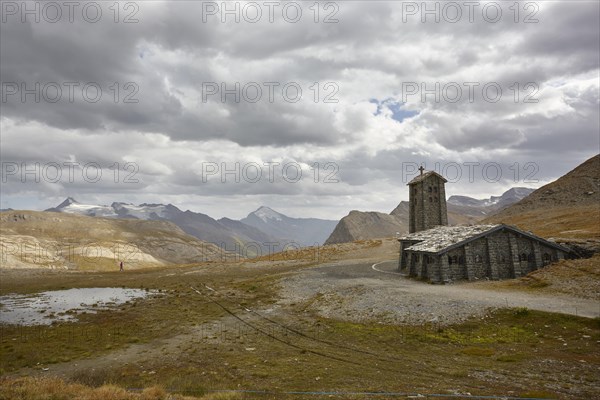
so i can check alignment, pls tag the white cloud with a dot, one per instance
(369, 54)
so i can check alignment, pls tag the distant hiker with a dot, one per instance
(121, 266)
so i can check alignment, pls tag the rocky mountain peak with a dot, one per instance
(266, 213)
(67, 202)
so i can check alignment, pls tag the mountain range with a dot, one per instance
(477, 209)
(362, 225)
(265, 230)
(262, 231)
(36, 239)
(147, 235)
(302, 231)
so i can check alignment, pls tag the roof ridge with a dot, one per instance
(424, 175)
(443, 238)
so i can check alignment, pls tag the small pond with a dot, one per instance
(44, 308)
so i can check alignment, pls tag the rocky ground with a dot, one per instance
(361, 292)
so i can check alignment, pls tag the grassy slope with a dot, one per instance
(514, 352)
(580, 222)
(38, 239)
(568, 207)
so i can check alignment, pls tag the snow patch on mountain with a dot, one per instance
(143, 211)
(115, 210)
(266, 213)
(72, 206)
(510, 196)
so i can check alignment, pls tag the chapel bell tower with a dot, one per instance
(427, 200)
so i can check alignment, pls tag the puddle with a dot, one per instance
(63, 305)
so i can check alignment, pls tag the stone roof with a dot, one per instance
(437, 239)
(443, 238)
(424, 176)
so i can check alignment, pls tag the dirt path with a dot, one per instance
(366, 291)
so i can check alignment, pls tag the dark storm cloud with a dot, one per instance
(578, 28)
(108, 53)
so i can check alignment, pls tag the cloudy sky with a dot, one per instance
(312, 109)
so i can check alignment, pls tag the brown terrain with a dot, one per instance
(568, 212)
(34, 239)
(339, 319)
(364, 225)
(566, 208)
(334, 319)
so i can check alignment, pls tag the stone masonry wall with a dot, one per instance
(428, 208)
(457, 268)
(500, 255)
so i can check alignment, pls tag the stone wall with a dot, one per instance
(499, 255)
(456, 264)
(404, 259)
(427, 208)
(433, 268)
(478, 262)
(527, 257)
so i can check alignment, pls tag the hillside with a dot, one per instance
(261, 232)
(230, 235)
(462, 210)
(35, 239)
(566, 208)
(362, 225)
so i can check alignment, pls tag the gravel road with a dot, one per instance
(367, 291)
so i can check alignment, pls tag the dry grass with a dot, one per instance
(35, 239)
(57, 389)
(333, 252)
(580, 222)
(510, 350)
(579, 278)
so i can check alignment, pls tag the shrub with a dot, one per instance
(521, 311)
